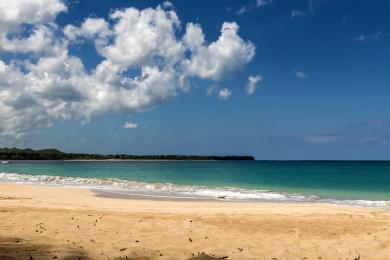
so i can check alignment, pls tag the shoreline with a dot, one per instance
(132, 196)
(104, 198)
(51, 196)
(241, 184)
(124, 189)
(48, 222)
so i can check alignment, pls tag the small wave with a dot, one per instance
(169, 190)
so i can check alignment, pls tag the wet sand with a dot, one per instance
(44, 222)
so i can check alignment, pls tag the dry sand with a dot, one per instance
(64, 223)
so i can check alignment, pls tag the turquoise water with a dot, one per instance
(351, 182)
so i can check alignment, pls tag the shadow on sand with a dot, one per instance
(199, 257)
(205, 257)
(12, 248)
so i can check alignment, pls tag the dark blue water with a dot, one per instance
(331, 180)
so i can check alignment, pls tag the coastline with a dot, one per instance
(52, 221)
(128, 189)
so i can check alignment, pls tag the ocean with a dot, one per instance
(359, 183)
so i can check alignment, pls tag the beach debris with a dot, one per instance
(221, 197)
(357, 258)
(41, 227)
(204, 256)
(123, 249)
(190, 239)
(136, 241)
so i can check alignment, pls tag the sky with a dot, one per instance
(276, 79)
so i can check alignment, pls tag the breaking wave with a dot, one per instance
(173, 191)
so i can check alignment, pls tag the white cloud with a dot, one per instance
(312, 5)
(46, 83)
(17, 12)
(331, 138)
(194, 38)
(360, 38)
(253, 5)
(243, 9)
(374, 139)
(21, 111)
(224, 94)
(296, 13)
(263, 2)
(150, 33)
(213, 61)
(167, 4)
(252, 83)
(130, 125)
(365, 37)
(90, 28)
(300, 74)
(211, 90)
(38, 14)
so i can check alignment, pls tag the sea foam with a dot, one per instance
(174, 191)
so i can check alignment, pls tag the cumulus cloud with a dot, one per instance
(130, 125)
(252, 83)
(151, 35)
(17, 12)
(47, 83)
(39, 15)
(90, 28)
(213, 61)
(224, 94)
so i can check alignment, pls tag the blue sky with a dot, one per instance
(322, 88)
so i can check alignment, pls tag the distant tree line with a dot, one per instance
(54, 154)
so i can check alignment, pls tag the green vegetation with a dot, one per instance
(53, 154)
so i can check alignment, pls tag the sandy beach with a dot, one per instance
(45, 222)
